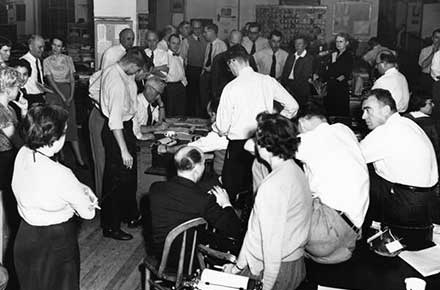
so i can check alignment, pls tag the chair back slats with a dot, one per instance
(172, 235)
(181, 260)
(193, 249)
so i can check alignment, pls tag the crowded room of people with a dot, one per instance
(219, 144)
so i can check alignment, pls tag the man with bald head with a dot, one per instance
(181, 199)
(34, 86)
(115, 53)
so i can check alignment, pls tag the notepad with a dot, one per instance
(426, 262)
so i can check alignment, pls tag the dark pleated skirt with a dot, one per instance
(47, 257)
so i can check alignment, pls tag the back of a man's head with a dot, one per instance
(187, 158)
(136, 55)
(312, 110)
(238, 53)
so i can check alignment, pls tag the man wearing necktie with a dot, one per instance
(35, 84)
(215, 47)
(297, 72)
(175, 91)
(270, 61)
(253, 42)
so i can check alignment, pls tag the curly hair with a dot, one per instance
(9, 78)
(43, 125)
(277, 134)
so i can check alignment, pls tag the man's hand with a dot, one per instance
(230, 268)
(127, 159)
(162, 149)
(221, 196)
(340, 78)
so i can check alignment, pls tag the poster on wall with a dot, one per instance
(143, 24)
(414, 17)
(352, 17)
(227, 17)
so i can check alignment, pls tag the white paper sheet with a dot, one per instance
(426, 262)
(329, 288)
(215, 280)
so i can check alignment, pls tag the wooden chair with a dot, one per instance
(160, 274)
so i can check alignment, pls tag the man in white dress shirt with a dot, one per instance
(215, 46)
(253, 41)
(392, 80)
(175, 91)
(403, 184)
(270, 61)
(242, 99)
(435, 75)
(157, 55)
(35, 84)
(96, 120)
(115, 53)
(425, 61)
(118, 104)
(150, 110)
(338, 178)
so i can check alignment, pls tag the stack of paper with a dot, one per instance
(426, 262)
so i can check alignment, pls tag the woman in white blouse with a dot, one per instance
(48, 194)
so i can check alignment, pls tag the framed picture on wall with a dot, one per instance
(177, 6)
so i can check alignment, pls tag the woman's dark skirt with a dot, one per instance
(47, 257)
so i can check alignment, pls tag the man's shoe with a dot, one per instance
(134, 223)
(117, 234)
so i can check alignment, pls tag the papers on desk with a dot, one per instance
(426, 262)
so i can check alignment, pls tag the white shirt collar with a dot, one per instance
(391, 70)
(303, 54)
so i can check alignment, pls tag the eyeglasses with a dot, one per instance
(229, 61)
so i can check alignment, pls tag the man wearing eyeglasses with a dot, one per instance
(392, 80)
(254, 42)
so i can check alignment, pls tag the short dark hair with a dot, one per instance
(344, 35)
(388, 57)
(237, 52)
(137, 56)
(5, 42)
(383, 96)
(304, 38)
(59, 38)
(213, 27)
(418, 101)
(43, 125)
(277, 134)
(436, 31)
(21, 63)
(255, 24)
(125, 30)
(276, 33)
(184, 22)
(312, 109)
(189, 160)
(173, 35)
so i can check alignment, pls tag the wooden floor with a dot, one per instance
(109, 264)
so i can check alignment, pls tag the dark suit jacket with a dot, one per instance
(299, 87)
(221, 75)
(179, 200)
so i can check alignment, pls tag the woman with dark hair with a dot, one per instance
(337, 100)
(59, 70)
(48, 194)
(278, 228)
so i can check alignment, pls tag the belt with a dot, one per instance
(348, 221)
(414, 188)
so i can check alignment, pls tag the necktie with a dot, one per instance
(39, 78)
(152, 56)
(273, 66)
(150, 116)
(208, 61)
(253, 49)
(175, 54)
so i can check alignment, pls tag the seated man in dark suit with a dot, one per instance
(180, 199)
(297, 72)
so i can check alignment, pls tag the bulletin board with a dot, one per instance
(431, 15)
(290, 20)
(107, 34)
(351, 17)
